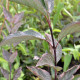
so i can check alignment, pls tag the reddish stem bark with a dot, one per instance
(54, 47)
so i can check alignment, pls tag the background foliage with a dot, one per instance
(64, 12)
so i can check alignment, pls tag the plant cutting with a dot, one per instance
(50, 59)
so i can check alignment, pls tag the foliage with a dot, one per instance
(10, 57)
(16, 41)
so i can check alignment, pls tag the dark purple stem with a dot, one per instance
(54, 47)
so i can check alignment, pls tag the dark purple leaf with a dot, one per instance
(33, 4)
(17, 73)
(49, 4)
(5, 73)
(16, 27)
(8, 27)
(76, 39)
(69, 29)
(42, 74)
(7, 14)
(15, 44)
(13, 57)
(76, 36)
(58, 49)
(46, 59)
(18, 17)
(68, 75)
(21, 36)
(6, 55)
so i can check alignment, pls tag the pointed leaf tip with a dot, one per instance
(46, 59)
(76, 77)
(58, 49)
(69, 29)
(18, 17)
(16, 27)
(5, 73)
(12, 57)
(68, 75)
(6, 55)
(17, 73)
(42, 74)
(7, 14)
(21, 36)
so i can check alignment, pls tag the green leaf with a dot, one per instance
(76, 77)
(78, 8)
(5, 66)
(2, 60)
(2, 78)
(21, 36)
(33, 4)
(46, 59)
(69, 73)
(76, 54)
(45, 46)
(57, 68)
(66, 49)
(69, 29)
(17, 62)
(22, 48)
(52, 72)
(68, 13)
(56, 30)
(67, 60)
(57, 14)
(42, 74)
